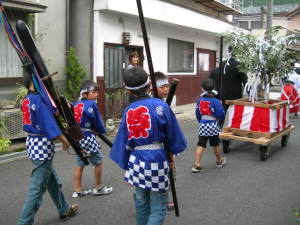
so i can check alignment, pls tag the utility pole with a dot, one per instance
(269, 16)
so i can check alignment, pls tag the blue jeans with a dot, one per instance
(43, 177)
(151, 206)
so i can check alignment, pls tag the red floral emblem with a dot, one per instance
(78, 111)
(26, 112)
(138, 122)
(204, 107)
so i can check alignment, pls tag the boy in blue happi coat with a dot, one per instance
(209, 112)
(88, 116)
(148, 127)
(42, 129)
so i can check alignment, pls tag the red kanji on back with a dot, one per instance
(78, 111)
(204, 107)
(26, 112)
(138, 122)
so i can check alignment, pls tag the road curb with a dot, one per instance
(21, 155)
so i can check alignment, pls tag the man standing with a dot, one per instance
(230, 85)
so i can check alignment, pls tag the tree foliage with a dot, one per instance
(4, 142)
(247, 3)
(269, 59)
(75, 75)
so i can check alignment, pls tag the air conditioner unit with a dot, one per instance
(12, 119)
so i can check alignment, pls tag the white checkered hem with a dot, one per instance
(146, 175)
(39, 148)
(89, 144)
(209, 129)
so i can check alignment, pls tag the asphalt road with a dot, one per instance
(246, 191)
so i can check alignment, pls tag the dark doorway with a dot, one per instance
(115, 63)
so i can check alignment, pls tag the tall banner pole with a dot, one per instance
(220, 65)
(147, 48)
(151, 71)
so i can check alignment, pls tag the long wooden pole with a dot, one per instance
(147, 48)
(151, 71)
(220, 66)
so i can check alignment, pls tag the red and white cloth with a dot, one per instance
(289, 93)
(252, 118)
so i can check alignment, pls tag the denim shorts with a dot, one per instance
(95, 159)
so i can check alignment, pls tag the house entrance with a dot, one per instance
(116, 61)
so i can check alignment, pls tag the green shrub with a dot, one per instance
(297, 215)
(75, 75)
(4, 144)
(21, 93)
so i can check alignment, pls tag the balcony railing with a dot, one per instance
(229, 7)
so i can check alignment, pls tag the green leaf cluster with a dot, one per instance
(247, 3)
(21, 93)
(75, 74)
(4, 142)
(269, 58)
(297, 215)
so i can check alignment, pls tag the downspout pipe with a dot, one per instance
(67, 28)
(92, 77)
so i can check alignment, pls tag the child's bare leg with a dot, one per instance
(217, 151)
(77, 178)
(98, 175)
(198, 155)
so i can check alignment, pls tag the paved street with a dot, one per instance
(246, 192)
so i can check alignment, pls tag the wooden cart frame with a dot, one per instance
(263, 140)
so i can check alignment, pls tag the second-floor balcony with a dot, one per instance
(228, 7)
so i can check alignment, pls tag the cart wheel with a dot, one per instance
(226, 146)
(284, 140)
(264, 153)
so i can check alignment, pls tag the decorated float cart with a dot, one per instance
(257, 118)
(257, 122)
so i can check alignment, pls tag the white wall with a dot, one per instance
(165, 12)
(51, 36)
(108, 28)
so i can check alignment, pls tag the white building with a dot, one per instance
(182, 36)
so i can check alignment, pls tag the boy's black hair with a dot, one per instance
(208, 84)
(160, 76)
(88, 86)
(134, 78)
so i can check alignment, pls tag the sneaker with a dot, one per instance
(82, 193)
(71, 212)
(104, 190)
(220, 164)
(197, 169)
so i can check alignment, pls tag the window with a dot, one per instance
(244, 24)
(10, 64)
(255, 24)
(203, 62)
(180, 56)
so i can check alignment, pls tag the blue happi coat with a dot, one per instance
(41, 127)
(88, 116)
(147, 128)
(209, 111)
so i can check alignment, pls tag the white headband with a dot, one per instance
(161, 82)
(84, 91)
(138, 87)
